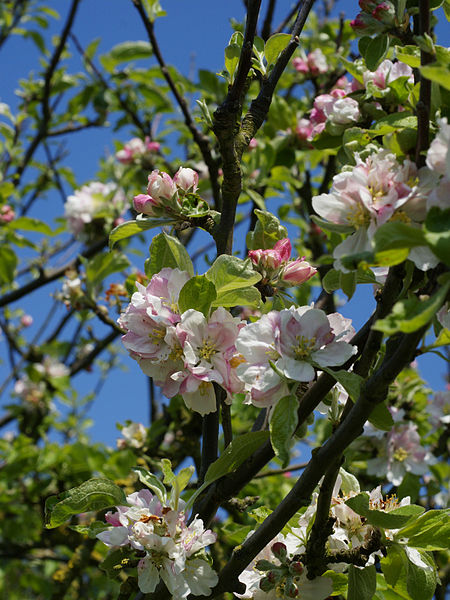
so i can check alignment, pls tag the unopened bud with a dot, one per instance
(266, 585)
(296, 568)
(264, 565)
(290, 589)
(279, 550)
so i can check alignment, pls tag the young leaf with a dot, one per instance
(275, 45)
(283, 423)
(437, 233)
(350, 381)
(169, 475)
(152, 482)
(398, 235)
(411, 314)
(229, 273)
(30, 224)
(267, 231)
(8, 263)
(94, 494)
(421, 576)
(398, 517)
(167, 251)
(130, 228)
(246, 296)
(376, 51)
(103, 265)
(197, 293)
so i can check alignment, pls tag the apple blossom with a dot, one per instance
(439, 409)
(400, 452)
(133, 435)
(28, 390)
(315, 63)
(174, 551)
(186, 179)
(295, 340)
(387, 72)
(375, 191)
(92, 201)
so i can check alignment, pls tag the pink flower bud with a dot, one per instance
(26, 320)
(253, 143)
(160, 185)
(266, 585)
(144, 204)
(118, 221)
(7, 214)
(266, 259)
(124, 156)
(304, 129)
(290, 589)
(297, 271)
(151, 146)
(359, 24)
(283, 247)
(186, 179)
(367, 5)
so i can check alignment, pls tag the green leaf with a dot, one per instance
(167, 251)
(431, 531)
(103, 265)
(94, 494)
(260, 514)
(8, 264)
(349, 482)
(152, 482)
(437, 233)
(393, 566)
(447, 9)
(240, 449)
(197, 293)
(411, 314)
(398, 235)
(179, 483)
(126, 51)
(410, 55)
(348, 283)
(229, 273)
(350, 381)
(421, 576)
(362, 583)
(166, 468)
(381, 418)
(232, 54)
(282, 426)
(275, 45)
(130, 228)
(439, 74)
(394, 519)
(267, 232)
(247, 296)
(376, 51)
(30, 224)
(153, 9)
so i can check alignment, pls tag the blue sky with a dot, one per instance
(192, 36)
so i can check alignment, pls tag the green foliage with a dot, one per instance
(394, 519)
(362, 583)
(198, 293)
(282, 426)
(94, 494)
(233, 279)
(267, 232)
(167, 251)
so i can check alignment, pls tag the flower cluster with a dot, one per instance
(136, 150)
(375, 191)
(174, 551)
(286, 346)
(165, 195)
(335, 111)
(92, 202)
(276, 268)
(375, 17)
(183, 353)
(315, 63)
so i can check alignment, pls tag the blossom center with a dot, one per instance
(207, 350)
(305, 347)
(157, 334)
(358, 216)
(236, 361)
(400, 216)
(400, 454)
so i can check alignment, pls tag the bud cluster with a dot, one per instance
(171, 198)
(283, 577)
(375, 17)
(277, 269)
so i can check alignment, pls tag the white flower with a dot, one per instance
(438, 155)
(171, 547)
(133, 435)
